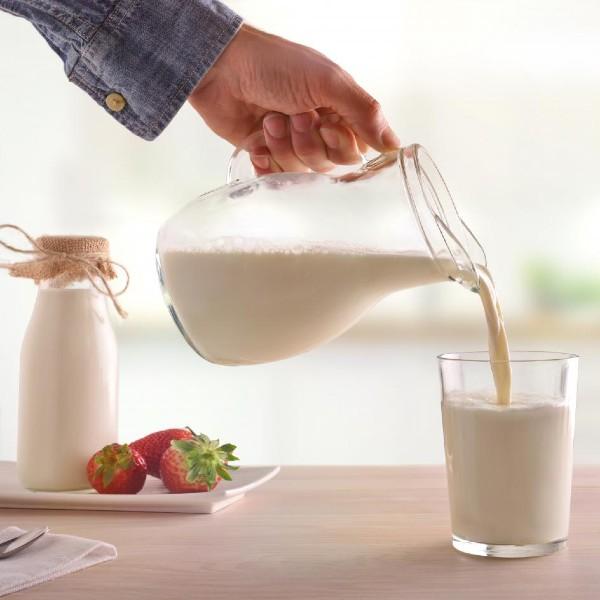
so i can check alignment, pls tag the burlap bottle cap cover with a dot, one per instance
(65, 259)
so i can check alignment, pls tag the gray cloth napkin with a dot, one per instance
(50, 557)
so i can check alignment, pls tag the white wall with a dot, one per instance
(505, 96)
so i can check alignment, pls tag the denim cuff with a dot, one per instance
(147, 56)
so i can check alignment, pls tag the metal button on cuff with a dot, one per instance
(115, 102)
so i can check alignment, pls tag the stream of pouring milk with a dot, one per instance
(248, 301)
(497, 340)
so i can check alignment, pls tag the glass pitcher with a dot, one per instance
(265, 268)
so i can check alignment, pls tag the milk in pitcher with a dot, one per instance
(251, 301)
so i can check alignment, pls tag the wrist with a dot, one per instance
(239, 58)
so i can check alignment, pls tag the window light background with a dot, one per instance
(504, 95)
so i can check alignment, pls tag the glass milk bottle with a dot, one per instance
(68, 377)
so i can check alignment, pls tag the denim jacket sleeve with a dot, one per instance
(139, 59)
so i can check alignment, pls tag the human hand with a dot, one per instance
(289, 106)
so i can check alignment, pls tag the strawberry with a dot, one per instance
(152, 446)
(196, 465)
(117, 469)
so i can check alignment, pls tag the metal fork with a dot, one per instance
(20, 542)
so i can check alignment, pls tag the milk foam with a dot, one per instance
(486, 401)
(287, 246)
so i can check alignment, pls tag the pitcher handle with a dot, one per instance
(240, 167)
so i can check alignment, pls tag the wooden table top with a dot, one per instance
(319, 533)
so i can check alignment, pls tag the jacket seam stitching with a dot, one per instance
(190, 72)
(62, 17)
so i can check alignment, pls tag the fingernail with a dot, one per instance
(390, 140)
(276, 125)
(301, 123)
(260, 162)
(330, 118)
(330, 137)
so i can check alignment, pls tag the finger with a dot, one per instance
(363, 147)
(262, 161)
(327, 115)
(342, 148)
(307, 143)
(276, 128)
(260, 156)
(254, 141)
(361, 111)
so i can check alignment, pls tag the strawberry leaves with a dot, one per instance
(117, 469)
(112, 459)
(206, 459)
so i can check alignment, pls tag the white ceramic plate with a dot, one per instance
(153, 497)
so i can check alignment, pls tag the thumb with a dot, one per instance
(362, 112)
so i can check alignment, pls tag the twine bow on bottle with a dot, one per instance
(65, 259)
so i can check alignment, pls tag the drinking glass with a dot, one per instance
(509, 467)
